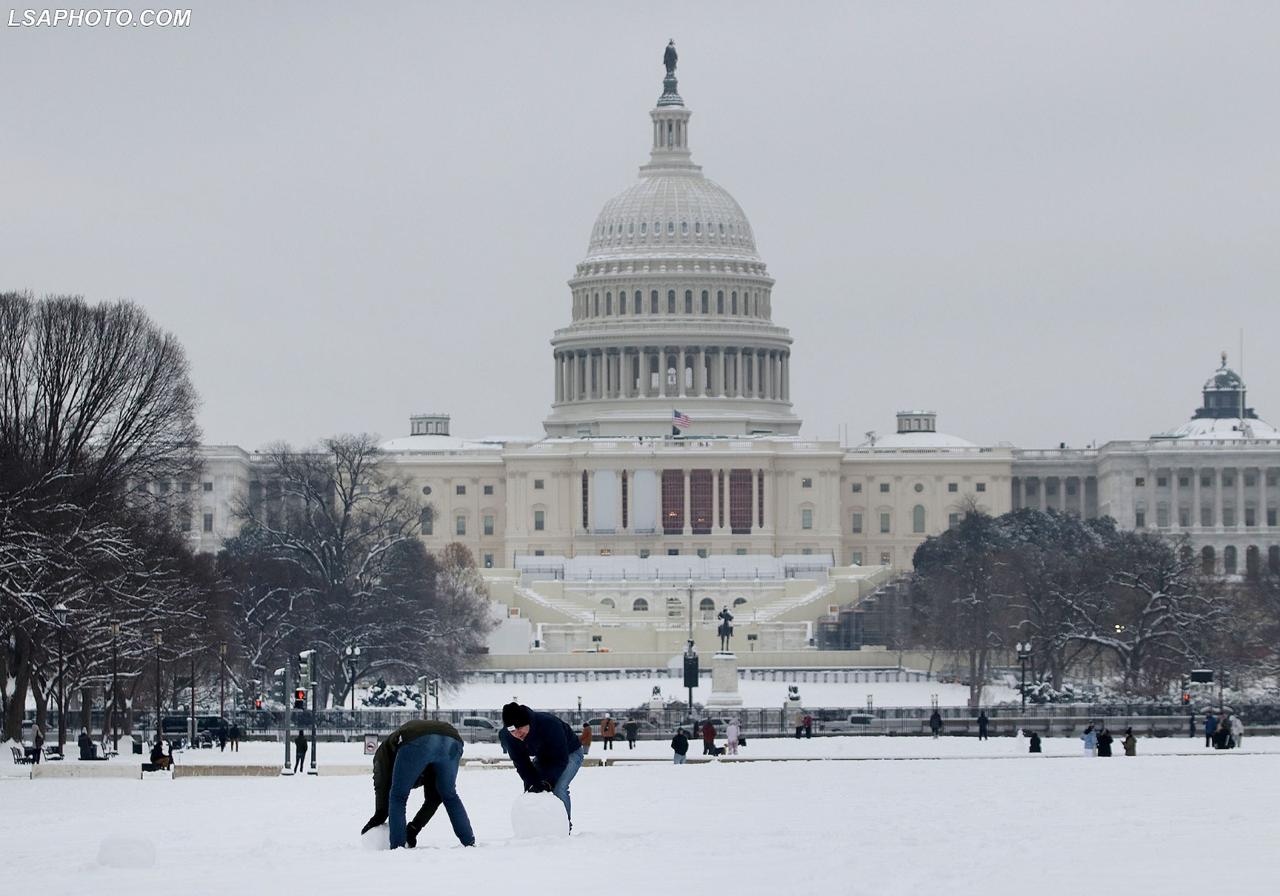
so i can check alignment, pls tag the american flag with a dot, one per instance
(679, 420)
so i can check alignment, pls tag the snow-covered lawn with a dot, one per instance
(1157, 824)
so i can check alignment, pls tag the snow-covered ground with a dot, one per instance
(1150, 825)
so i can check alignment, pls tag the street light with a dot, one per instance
(1024, 654)
(222, 681)
(157, 638)
(353, 657)
(115, 685)
(60, 613)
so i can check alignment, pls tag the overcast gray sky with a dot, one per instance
(1042, 221)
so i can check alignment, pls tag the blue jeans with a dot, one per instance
(561, 788)
(678, 759)
(442, 754)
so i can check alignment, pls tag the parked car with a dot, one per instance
(477, 728)
(858, 721)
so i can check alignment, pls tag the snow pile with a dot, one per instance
(377, 840)
(538, 815)
(126, 852)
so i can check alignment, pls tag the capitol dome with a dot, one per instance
(672, 214)
(672, 324)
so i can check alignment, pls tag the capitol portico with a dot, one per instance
(672, 472)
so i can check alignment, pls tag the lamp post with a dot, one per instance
(1024, 654)
(60, 613)
(157, 638)
(353, 657)
(115, 685)
(222, 681)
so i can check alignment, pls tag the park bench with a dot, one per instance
(20, 756)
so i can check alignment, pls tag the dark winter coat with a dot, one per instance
(85, 743)
(544, 753)
(708, 733)
(982, 723)
(680, 744)
(935, 722)
(1210, 724)
(1104, 743)
(1035, 743)
(630, 728)
(300, 742)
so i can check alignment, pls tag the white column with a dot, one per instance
(680, 390)
(1262, 497)
(1175, 521)
(1195, 496)
(737, 379)
(700, 371)
(662, 372)
(1217, 497)
(1044, 493)
(1239, 497)
(687, 528)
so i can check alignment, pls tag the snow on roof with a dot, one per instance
(437, 443)
(919, 440)
(1219, 428)
(635, 568)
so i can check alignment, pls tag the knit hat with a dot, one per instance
(515, 716)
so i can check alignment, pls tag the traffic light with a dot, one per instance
(690, 670)
(433, 688)
(257, 703)
(1186, 698)
(300, 698)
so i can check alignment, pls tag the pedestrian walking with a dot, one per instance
(420, 753)
(300, 744)
(629, 727)
(584, 738)
(935, 724)
(235, 738)
(731, 737)
(679, 747)
(1090, 741)
(37, 740)
(608, 731)
(1104, 742)
(708, 738)
(1237, 729)
(1035, 743)
(808, 725)
(545, 751)
(982, 726)
(1210, 728)
(222, 737)
(1130, 743)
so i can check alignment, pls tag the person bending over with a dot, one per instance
(546, 752)
(425, 754)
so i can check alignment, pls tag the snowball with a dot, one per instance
(127, 852)
(377, 839)
(538, 815)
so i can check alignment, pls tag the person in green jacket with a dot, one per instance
(424, 754)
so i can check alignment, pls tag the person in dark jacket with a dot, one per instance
(1104, 742)
(300, 745)
(1035, 743)
(1130, 743)
(235, 738)
(420, 753)
(935, 723)
(85, 743)
(1210, 728)
(708, 738)
(983, 721)
(545, 751)
(679, 747)
(630, 728)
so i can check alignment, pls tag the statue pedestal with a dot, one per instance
(724, 682)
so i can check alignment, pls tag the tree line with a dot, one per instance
(100, 468)
(1082, 592)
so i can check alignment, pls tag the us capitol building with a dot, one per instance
(608, 533)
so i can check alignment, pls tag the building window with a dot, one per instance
(806, 519)
(208, 486)
(673, 502)
(1206, 481)
(856, 487)
(1251, 516)
(919, 487)
(653, 300)
(488, 561)
(586, 493)
(1139, 519)
(644, 553)
(426, 489)
(539, 520)
(884, 523)
(1229, 560)
(720, 498)
(688, 301)
(1184, 516)
(981, 486)
(740, 502)
(1271, 517)
(702, 552)
(884, 487)
(426, 521)
(459, 489)
(671, 301)
(760, 498)
(720, 301)
(1162, 516)
(857, 524)
(806, 483)
(855, 558)
(460, 526)
(917, 519)
(953, 520)
(706, 303)
(1139, 482)
(488, 525)
(700, 501)
(624, 499)
(1184, 481)
(1228, 516)
(640, 605)
(953, 487)
(488, 489)
(208, 522)
(886, 558)
(1162, 481)
(537, 484)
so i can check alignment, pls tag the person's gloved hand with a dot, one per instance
(411, 835)
(372, 823)
(537, 787)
